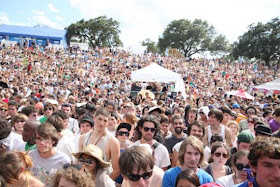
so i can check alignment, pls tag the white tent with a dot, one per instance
(273, 86)
(157, 73)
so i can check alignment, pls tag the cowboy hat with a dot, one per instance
(95, 152)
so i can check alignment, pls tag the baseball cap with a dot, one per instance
(154, 109)
(262, 129)
(124, 125)
(245, 136)
(235, 105)
(87, 119)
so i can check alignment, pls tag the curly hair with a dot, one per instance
(79, 177)
(264, 147)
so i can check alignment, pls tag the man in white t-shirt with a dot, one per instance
(149, 127)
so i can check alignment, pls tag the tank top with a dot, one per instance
(101, 143)
(210, 133)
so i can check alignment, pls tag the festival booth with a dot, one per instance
(157, 73)
(272, 87)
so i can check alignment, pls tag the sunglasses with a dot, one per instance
(48, 108)
(136, 177)
(76, 166)
(220, 154)
(146, 129)
(235, 107)
(251, 113)
(240, 166)
(201, 113)
(4, 109)
(87, 162)
(121, 133)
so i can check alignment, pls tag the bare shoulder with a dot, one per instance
(113, 141)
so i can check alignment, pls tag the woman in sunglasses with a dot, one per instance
(219, 155)
(91, 158)
(240, 164)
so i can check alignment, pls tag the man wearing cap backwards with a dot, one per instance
(148, 127)
(236, 107)
(264, 161)
(103, 139)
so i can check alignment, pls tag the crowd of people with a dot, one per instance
(68, 118)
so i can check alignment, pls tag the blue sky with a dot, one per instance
(141, 19)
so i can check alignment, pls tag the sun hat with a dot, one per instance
(95, 152)
(262, 128)
(155, 108)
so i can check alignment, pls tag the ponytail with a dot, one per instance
(26, 159)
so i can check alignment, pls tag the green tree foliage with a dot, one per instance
(151, 45)
(101, 32)
(192, 37)
(260, 41)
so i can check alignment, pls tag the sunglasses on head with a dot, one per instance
(136, 177)
(146, 129)
(220, 154)
(240, 166)
(87, 162)
(121, 133)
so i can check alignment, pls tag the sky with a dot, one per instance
(141, 19)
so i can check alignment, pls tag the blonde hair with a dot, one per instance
(12, 164)
(231, 122)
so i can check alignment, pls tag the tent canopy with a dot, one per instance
(155, 73)
(269, 86)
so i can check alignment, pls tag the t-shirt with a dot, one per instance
(161, 154)
(13, 142)
(169, 178)
(274, 125)
(171, 141)
(225, 181)
(54, 162)
(67, 146)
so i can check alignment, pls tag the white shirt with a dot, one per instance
(161, 154)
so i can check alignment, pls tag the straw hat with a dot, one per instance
(95, 152)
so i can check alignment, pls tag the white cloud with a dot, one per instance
(141, 19)
(38, 12)
(59, 18)
(4, 19)
(38, 19)
(52, 8)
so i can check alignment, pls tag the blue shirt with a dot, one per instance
(169, 178)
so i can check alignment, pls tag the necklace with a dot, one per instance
(100, 137)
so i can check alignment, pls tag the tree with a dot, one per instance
(260, 41)
(101, 32)
(191, 37)
(151, 46)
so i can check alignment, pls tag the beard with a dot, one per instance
(178, 130)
